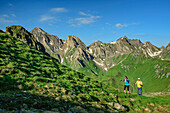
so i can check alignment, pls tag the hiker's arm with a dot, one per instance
(129, 83)
(141, 83)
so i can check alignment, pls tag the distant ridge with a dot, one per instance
(74, 53)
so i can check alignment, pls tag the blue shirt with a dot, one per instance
(127, 82)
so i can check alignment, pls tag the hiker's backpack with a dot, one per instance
(142, 84)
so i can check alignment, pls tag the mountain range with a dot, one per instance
(99, 59)
(75, 53)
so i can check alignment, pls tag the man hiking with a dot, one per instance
(139, 86)
(127, 83)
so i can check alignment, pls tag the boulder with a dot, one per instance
(78, 109)
(119, 107)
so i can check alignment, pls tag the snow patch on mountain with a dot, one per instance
(61, 60)
(66, 50)
(51, 43)
(112, 65)
(71, 57)
(105, 69)
(113, 42)
(154, 53)
(90, 51)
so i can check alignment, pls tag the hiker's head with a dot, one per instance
(138, 79)
(125, 77)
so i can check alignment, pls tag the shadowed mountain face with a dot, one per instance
(51, 42)
(1, 31)
(168, 47)
(165, 54)
(22, 34)
(71, 52)
(74, 53)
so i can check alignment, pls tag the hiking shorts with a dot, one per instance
(126, 87)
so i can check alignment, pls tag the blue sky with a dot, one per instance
(91, 20)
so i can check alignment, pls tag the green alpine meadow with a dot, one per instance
(33, 81)
(154, 72)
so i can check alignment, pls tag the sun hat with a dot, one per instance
(138, 78)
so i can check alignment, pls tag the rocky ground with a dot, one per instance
(157, 94)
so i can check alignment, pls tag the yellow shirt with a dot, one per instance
(139, 83)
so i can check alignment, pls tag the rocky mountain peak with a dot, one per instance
(21, 33)
(35, 28)
(162, 47)
(151, 50)
(12, 30)
(98, 41)
(124, 41)
(123, 38)
(39, 30)
(73, 41)
(168, 47)
(73, 37)
(146, 43)
(51, 43)
(135, 42)
(95, 43)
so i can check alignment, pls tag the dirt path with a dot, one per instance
(157, 94)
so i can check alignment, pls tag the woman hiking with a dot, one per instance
(127, 83)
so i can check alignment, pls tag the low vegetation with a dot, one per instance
(153, 72)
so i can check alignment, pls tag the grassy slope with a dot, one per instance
(142, 104)
(150, 71)
(91, 69)
(32, 81)
(27, 71)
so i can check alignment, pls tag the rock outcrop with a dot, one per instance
(168, 47)
(165, 54)
(51, 42)
(71, 52)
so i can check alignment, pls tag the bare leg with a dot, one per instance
(124, 91)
